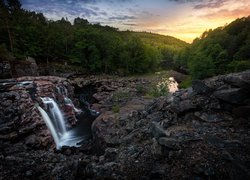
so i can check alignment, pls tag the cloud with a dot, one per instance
(130, 24)
(225, 13)
(210, 4)
(122, 18)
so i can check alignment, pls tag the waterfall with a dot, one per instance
(58, 118)
(50, 125)
(56, 123)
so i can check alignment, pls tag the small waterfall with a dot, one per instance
(58, 118)
(62, 90)
(56, 123)
(50, 125)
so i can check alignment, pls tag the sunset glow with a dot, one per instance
(184, 19)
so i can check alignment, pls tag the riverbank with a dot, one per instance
(196, 133)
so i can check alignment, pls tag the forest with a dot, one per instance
(104, 49)
(96, 48)
(222, 50)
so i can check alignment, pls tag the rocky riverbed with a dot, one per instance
(196, 133)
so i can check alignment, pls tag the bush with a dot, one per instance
(116, 108)
(236, 66)
(186, 83)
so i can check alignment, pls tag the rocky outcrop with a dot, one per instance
(20, 119)
(196, 133)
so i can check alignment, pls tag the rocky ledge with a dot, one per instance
(196, 133)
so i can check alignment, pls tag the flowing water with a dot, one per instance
(56, 123)
(57, 116)
(51, 127)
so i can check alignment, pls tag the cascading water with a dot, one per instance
(59, 121)
(56, 123)
(51, 127)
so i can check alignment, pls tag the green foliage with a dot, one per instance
(186, 83)
(141, 89)
(116, 108)
(95, 48)
(120, 96)
(236, 66)
(160, 88)
(5, 54)
(219, 51)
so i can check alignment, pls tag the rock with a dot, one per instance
(33, 141)
(110, 154)
(156, 130)
(200, 87)
(181, 106)
(242, 111)
(186, 135)
(100, 128)
(241, 80)
(213, 117)
(233, 95)
(170, 143)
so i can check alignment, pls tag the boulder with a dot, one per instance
(232, 95)
(200, 87)
(156, 130)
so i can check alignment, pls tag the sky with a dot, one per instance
(183, 19)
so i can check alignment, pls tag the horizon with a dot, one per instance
(182, 19)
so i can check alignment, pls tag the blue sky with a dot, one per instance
(184, 19)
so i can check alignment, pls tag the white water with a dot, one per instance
(56, 113)
(50, 125)
(62, 90)
(57, 124)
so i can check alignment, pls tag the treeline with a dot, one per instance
(96, 48)
(219, 51)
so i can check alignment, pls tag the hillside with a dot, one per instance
(92, 47)
(160, 41)
(222, 50)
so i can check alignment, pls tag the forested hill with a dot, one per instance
(160, 41)
(95, 48)
(222, 50)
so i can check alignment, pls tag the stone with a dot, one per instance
(242, 111)
(233, 95)
(200, 87)
(170, 143)
(241, 80)
(156, 130)
(181, 106)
